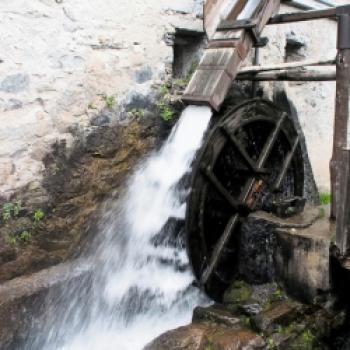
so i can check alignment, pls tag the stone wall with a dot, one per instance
(79, 83)
(63, 61)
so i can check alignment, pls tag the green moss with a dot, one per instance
(305, 341)
(271, 343)
(163, 90)
(325, 198)
(110, 101)
(239, 291)
(136, 112)
(91, 106)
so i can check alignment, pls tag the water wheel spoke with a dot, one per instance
(286, 165)
(209, 175)
(271, 142)
(218, 249)
(245, 156)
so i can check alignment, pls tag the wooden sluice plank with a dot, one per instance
(226, 51)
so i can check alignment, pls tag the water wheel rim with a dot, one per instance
(209, 155)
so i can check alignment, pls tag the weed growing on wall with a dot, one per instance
(9, 213)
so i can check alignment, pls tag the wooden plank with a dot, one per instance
(343, 217)
(290, 75)
(224, 61)
(303, 16)
(280, 66)
(341, 125)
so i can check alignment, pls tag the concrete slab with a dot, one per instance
(25, 299)
(293, 252)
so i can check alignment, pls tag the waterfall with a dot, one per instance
(141, 284)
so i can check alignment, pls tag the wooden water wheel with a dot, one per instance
(251, 159)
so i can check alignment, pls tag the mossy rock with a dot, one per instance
(238, 292)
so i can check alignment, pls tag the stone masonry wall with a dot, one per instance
(62, 61)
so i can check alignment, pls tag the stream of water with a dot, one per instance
(141, 284)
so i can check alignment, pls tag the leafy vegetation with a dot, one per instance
(166, 112)
(110, 101)
(25, 236)
(136, 112)
(38, 215)
(10, 210)
(325, 198)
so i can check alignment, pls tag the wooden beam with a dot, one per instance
(225, 53)
(343, 217)
(303, 16)
(280, 66)
(341, 138)
(290, 75)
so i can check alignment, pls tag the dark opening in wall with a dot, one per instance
(188, 48)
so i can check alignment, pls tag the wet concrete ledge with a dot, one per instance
(22, 300)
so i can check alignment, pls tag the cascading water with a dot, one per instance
(141, 284)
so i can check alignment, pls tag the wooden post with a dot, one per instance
(341, 119)
(343, 215)
(340, 165)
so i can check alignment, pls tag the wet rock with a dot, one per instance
(15, 83)
(12, 104)
(280, 313)
(204, 337)
(250, 308)
(144, 74)
(77, 178)
(100, 120)
(217, 314)
(257, 244)
(238, 292)
(7, 253)
(137, 100)
(25, 298)
(184, 338)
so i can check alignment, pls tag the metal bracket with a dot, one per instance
(343, 10)
(248, 25)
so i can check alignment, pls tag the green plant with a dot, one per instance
(163, 90)
(110, 100)
(136, 112)
(10, 210)
(278, 294)
(91, 106)
(165, 111)
(271, 344)
(38, 215)
(325, 198)
(25, 236)
(11, 240)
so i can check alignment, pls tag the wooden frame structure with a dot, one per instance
(231, 39)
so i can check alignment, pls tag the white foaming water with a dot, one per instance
(142, 284)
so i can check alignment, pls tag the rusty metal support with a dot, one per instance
(341, 120)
